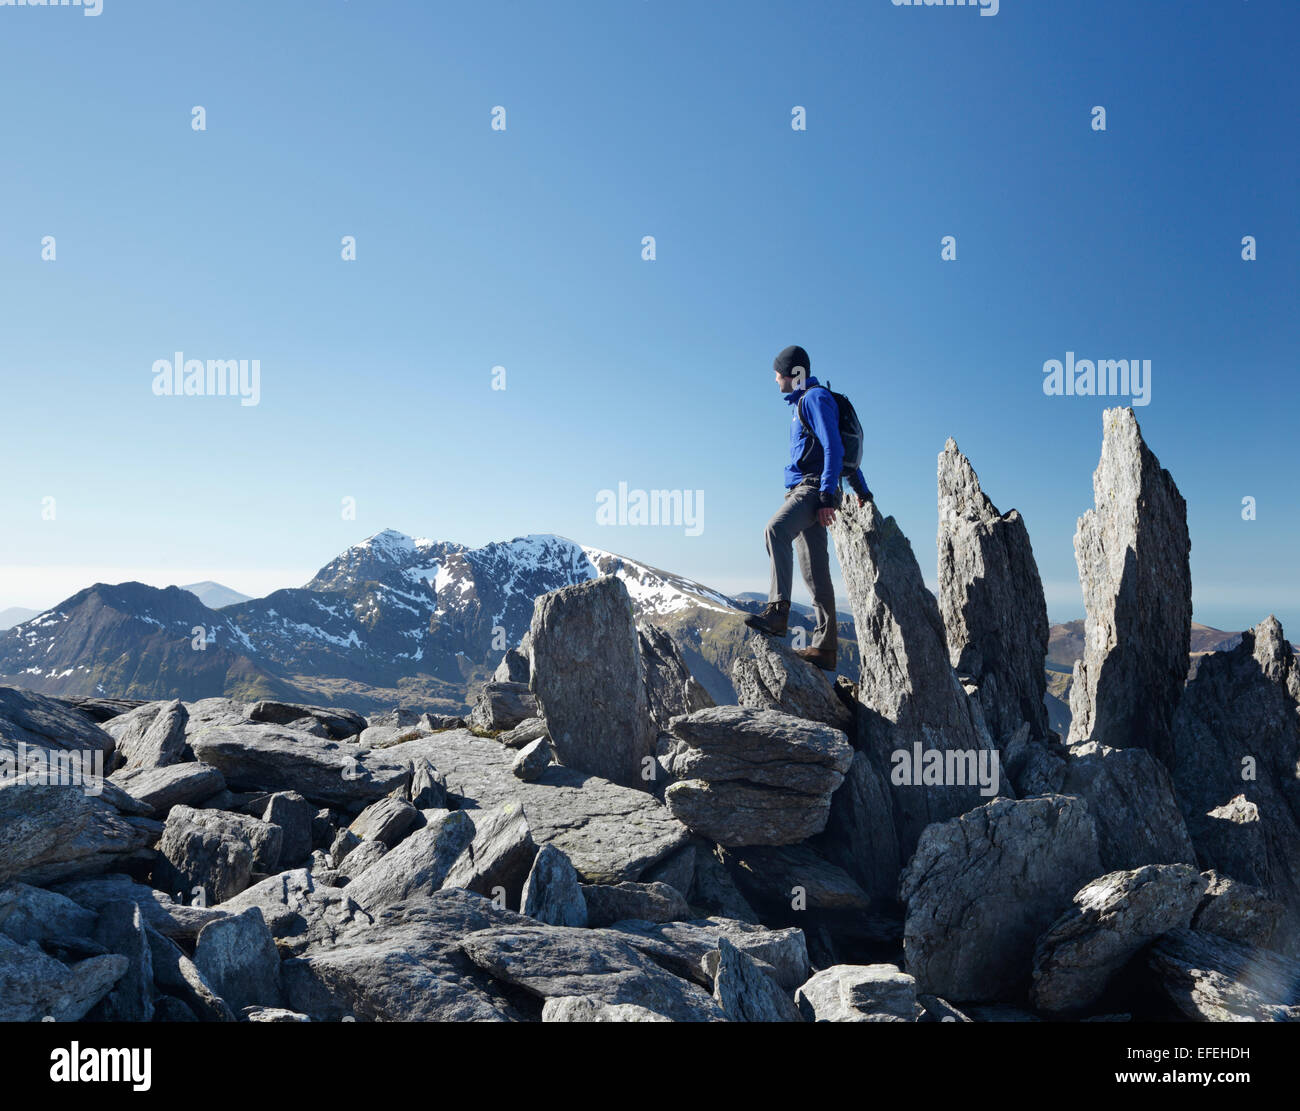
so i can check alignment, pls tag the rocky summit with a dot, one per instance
(622, 825)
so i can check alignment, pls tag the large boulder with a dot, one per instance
(1133, 552)
(991, 599)
(49, 833)
(214, 852)
(859, 993)
(499, 855)
(589, 681)
(983, 887)
(911, 699)
(1237, 767)
(238, 957)
(753, 777)
(1113, 917)
(152, 736)
(746, 993)
(502, 706)
(1130, 796)
(768, 675)
(552, 893)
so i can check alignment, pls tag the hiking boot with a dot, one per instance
(822, 657)
(772, 620)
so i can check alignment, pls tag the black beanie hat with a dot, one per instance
(790, 360)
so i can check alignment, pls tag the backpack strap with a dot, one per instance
(799, 407)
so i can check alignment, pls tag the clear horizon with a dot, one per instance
(479, 248)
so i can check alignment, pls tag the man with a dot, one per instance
(812, 481)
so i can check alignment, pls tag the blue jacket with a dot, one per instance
(822, 455)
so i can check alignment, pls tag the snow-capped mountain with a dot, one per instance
(392, 616)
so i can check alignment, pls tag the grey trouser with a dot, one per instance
(796, 523)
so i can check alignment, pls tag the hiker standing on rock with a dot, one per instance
(825, 446)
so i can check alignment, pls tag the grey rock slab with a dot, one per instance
(610, 833)
(649, 902)
(1113, 917)
(991, 600)
(387, 820)
(671, 689)
(268, 758)
(34, 985)
(216, 851)
(159, 788)
(513, 668)
(176, 975)
(523, 734)
(300, 911)
(1237, 742)
(238, 957)
(419, 865)
(690, 949)
(550, 961)
(338, 725)
(589, 681)
(405, 967)
(532, 761)
(753, 777)
(982, 888)
(1130, 796)
(498, 856)
(171, 919)
(1233, 910)
(768, 675)
(294, 815)
(746, 993)
(552, 893)
(161, 743)
(359, 859)
(1133, 551)
(428, 790)
(121, 930)
(859, 993)
(40, 722)
(49, 833)
(502, 706)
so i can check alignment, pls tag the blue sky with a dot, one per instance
(522, 248)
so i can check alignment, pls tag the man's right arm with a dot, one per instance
(858, 484)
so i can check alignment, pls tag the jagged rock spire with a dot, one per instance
(1133, 553)
(991, 599)
(908, 691)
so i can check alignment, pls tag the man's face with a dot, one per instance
(787, 384)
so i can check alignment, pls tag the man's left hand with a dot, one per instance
(825, 516)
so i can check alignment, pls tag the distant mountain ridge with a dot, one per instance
(391, 619)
